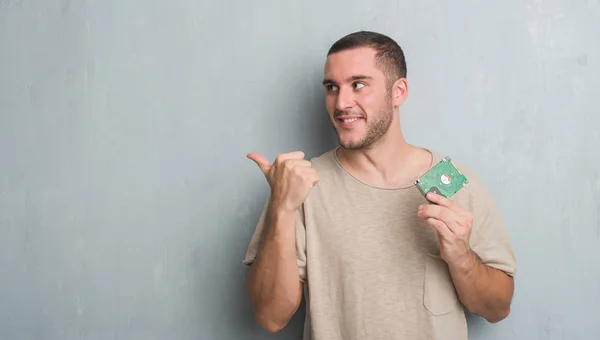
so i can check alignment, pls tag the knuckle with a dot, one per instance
(468, 220)
(287, 164)
(295, 155)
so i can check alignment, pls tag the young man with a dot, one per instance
(350, 230)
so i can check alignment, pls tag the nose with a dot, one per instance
(344, 99)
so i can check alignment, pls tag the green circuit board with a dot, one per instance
(443, 179)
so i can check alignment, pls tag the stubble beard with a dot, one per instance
(376, 129)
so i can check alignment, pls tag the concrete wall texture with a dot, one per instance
(126, 200)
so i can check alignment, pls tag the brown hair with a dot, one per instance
(389, 57)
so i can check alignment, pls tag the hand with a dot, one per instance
(453, 224)
(290, 177)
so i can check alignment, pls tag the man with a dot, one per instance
(350, 230)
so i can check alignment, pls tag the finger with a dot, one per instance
(315, 178)
(441, 228)
(290, 155)
(438, 212)
(443, 214)
(306, 171)
(261, 161)
(443, 201)
(299, 162)
(448, 203)
(309, 175)
(439, 199)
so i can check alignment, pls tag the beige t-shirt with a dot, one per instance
(371, 266)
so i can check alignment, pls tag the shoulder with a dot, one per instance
(475, 195)
(326, 163)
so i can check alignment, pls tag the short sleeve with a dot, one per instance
(489, 237)
(255, 241)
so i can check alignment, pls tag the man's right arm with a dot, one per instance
(273, 282)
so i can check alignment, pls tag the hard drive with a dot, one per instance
(442, 179)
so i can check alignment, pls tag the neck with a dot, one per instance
(390, 162)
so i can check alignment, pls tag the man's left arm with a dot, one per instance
(482, 289)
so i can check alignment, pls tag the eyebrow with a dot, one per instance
(353, 78)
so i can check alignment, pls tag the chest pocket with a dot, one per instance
(439, 296)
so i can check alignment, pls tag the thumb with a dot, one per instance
(261, 161)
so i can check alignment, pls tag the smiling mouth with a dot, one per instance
(348, 122)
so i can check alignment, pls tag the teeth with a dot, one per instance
(351, 120)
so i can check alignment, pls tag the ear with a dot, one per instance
(399, 92)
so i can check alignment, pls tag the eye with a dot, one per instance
(331, 88)
(358, 86)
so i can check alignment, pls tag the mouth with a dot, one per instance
(349, 121)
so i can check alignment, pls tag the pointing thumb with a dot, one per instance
(261, 161)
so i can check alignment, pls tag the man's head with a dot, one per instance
(365, 83)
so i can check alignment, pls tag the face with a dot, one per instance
(359, 98)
